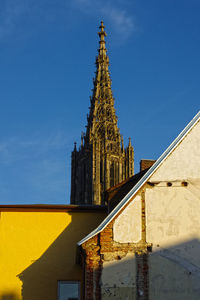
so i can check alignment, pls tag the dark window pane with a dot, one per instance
(68, 290)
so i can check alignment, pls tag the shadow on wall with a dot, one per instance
(165, 273)
(170, 273)
(9, 296)
(40, 280)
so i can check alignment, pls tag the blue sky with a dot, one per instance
(47, 55)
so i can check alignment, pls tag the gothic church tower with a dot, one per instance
(101, 161)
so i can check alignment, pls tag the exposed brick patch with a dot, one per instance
(103, 248)
(142, 276)
(92, 269)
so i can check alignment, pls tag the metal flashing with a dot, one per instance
(143, 180)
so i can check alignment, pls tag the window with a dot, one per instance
(112, 174)
(68, 290)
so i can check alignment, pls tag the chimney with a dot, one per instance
(146, 163)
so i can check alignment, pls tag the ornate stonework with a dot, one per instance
(101, 161)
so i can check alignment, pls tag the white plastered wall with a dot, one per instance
(127, 226)
(118, 279)
(173, 222)
(184, 161)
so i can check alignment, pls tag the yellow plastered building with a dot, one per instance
(38, 248)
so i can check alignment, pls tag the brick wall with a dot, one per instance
(102, 248)
(146, 163)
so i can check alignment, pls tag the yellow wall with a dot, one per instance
(39, 248)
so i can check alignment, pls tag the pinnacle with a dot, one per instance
(102, 33)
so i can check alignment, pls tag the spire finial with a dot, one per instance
(102, 35)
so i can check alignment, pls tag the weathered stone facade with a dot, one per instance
(101, 161)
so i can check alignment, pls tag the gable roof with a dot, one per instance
(143, 180)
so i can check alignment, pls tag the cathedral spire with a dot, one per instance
(102, 161)
(102, 102)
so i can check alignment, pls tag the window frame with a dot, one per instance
(68, 282)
